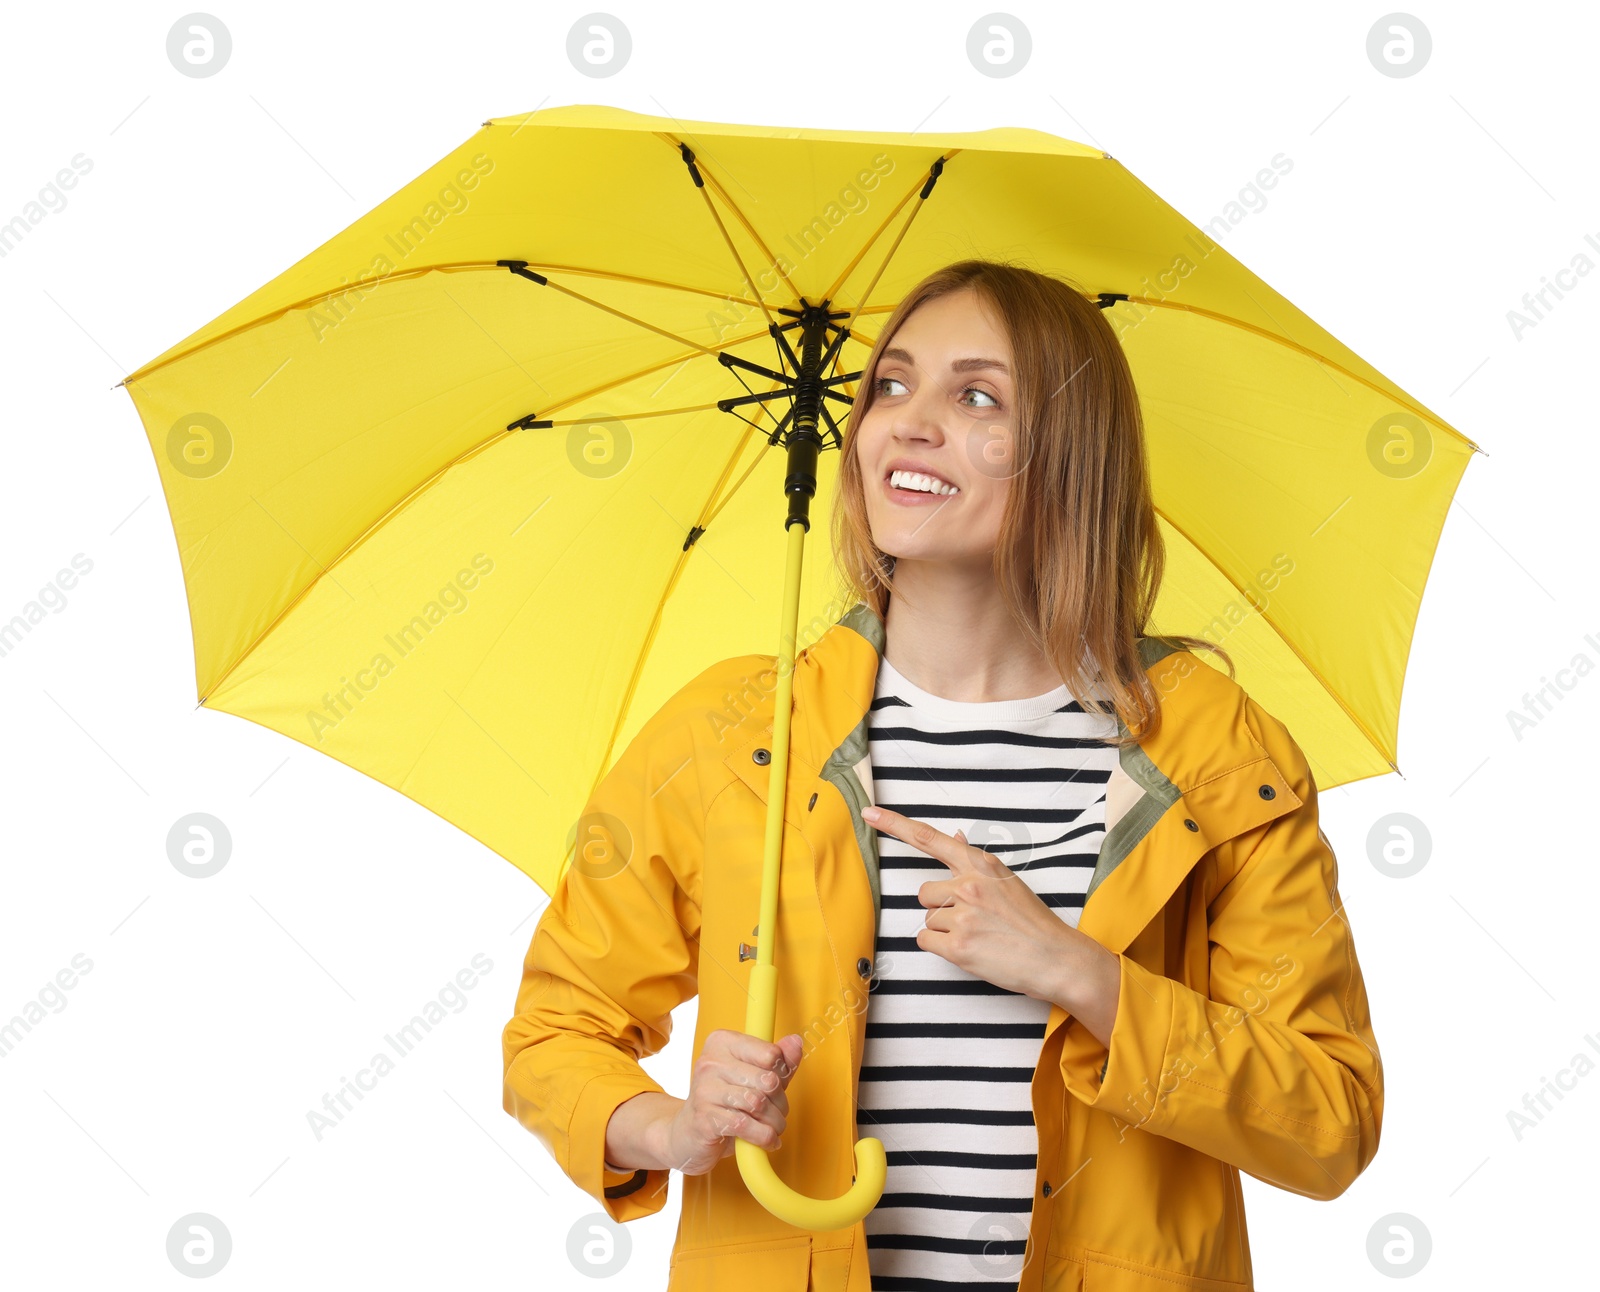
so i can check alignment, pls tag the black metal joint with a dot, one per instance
(688, 160)
(694, 532)
(934, 172)
(520, 268)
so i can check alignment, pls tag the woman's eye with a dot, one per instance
(881, 384)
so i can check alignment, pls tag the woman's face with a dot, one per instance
(942, 406)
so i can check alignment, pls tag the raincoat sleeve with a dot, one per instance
(1274, 1068)
(613, 954)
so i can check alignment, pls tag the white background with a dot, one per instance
(177, 1075)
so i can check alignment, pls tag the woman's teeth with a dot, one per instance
(920, 483)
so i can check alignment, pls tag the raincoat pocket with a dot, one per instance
(780, 1265)
(1105, 1273)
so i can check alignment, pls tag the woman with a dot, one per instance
(1107, 880)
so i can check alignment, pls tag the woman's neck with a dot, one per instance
(949, 631)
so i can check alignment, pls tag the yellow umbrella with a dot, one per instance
(467, 493)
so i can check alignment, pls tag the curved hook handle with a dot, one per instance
(872, 1169)
(872, 1166)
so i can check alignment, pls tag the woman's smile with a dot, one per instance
(916, 497)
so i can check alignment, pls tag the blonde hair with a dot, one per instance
(1079, 556)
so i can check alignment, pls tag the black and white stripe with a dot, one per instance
(949, 1059)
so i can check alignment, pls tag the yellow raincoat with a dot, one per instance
(1242, 1039)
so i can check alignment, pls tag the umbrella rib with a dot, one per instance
(444, 713)
(465, 455)
(838, 363)
(611, 276)
(541, 423)
(676, 359)
(678, 147)
(727, 498)
(878, 233)
(520, 268)
(934, 172)
(678, 567)
(1356, 718)
(1229, 321)
(641, 372)
(711, 208)
(454, 266)
(344, 290)
(450, 267)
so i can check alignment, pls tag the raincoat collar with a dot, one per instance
(1200, 780)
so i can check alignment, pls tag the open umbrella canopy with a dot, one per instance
(456, 504)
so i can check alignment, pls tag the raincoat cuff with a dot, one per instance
(1123, 1079)
(626, 1195)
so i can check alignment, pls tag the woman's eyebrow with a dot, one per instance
(958, 365)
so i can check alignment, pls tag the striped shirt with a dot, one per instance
(947, 1069)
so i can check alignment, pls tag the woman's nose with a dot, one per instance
(919, 416)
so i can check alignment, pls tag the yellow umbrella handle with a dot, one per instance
(755, 1166)
(761, 1013)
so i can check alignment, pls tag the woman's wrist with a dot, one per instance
(636, 1133)
(1086, 981)
(657, 1132)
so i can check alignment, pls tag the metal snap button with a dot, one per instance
(762, 756)
(863, 966)
(811, 804)
(1267, 792)
(1047, 1188)
(1190, 824)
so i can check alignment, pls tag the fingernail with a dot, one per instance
(870, 813)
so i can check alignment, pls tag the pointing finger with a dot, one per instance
(954, 851)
